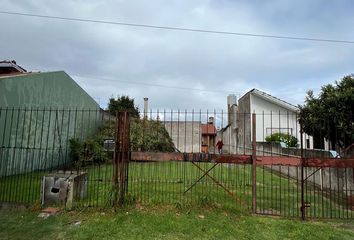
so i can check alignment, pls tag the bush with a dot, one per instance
(86, 152)
(150, 135)
(290, 140)
(145, 135)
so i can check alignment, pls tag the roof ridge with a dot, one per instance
(276, 98)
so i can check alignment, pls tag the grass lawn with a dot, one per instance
(164, 222)
(168, 182)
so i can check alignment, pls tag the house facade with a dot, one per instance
(273, 115)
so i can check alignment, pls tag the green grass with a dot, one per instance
(167, 182)
(165, 222)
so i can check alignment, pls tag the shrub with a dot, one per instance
(86, 152)
(145, 135)
(290, 140)
(150, 135)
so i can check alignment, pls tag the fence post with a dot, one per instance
(303, 207)
(254, 164)
(121, 157)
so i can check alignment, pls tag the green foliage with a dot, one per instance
(149, 135)
(123, 103)
(91, 150)
(86, 152)
(331, 114)
(145, 135)
(290, 140)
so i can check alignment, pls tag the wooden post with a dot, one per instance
(254, 165)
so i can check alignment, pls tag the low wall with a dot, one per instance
(338, 180)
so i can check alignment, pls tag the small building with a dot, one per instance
(192, 136)
(208, 136)
(185, 135)
(39, 114)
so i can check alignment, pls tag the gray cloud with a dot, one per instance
(100, 57)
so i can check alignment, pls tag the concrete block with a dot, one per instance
(63, 188)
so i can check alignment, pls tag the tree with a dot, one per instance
(290, 140)
(330, 115)
(145, 135)
(123, 103)
(150, 135)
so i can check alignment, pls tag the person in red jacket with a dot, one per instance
(219, 145)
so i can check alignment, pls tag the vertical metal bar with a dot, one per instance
(4, 163)
(322, 196)
(163, 173)
(67, 136)
(330, 192)
(20, 185)
(244, 133)
(200, 131)
(30, 161)
(347, 196)
(82, 125)
(115, 163)
(192, 131)
(265, 190)
(178, 147)
(204, 182)
(237, 130)
(271, 132)
(279, 168)
(54, 139)
(263, 136)
(213, 138)
(339, 203)
(185, 131)
(8, 163)
(303, 208)
(13, 166)
(4, 132)
(254, 164)
(290, 200)
(61, 153)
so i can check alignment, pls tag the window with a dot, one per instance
(307, 143)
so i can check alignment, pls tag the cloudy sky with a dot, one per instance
(201, 69)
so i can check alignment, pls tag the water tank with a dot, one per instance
(231, 100)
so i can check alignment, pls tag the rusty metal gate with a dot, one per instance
(253, 180)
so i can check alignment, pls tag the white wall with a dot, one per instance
(186, 136)
(271, 118)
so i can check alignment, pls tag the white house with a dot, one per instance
(273, 115)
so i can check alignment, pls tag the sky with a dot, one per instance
(200, 69)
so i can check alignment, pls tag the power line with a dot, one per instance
(181, 29)
(153, 84)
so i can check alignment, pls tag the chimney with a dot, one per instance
(145, 107)
(211, 120)
(231, 109)
(231, 100)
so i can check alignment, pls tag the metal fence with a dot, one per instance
(95, 158)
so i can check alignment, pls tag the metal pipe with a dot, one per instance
(146, 102)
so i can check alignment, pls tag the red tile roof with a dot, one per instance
(208, 129)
